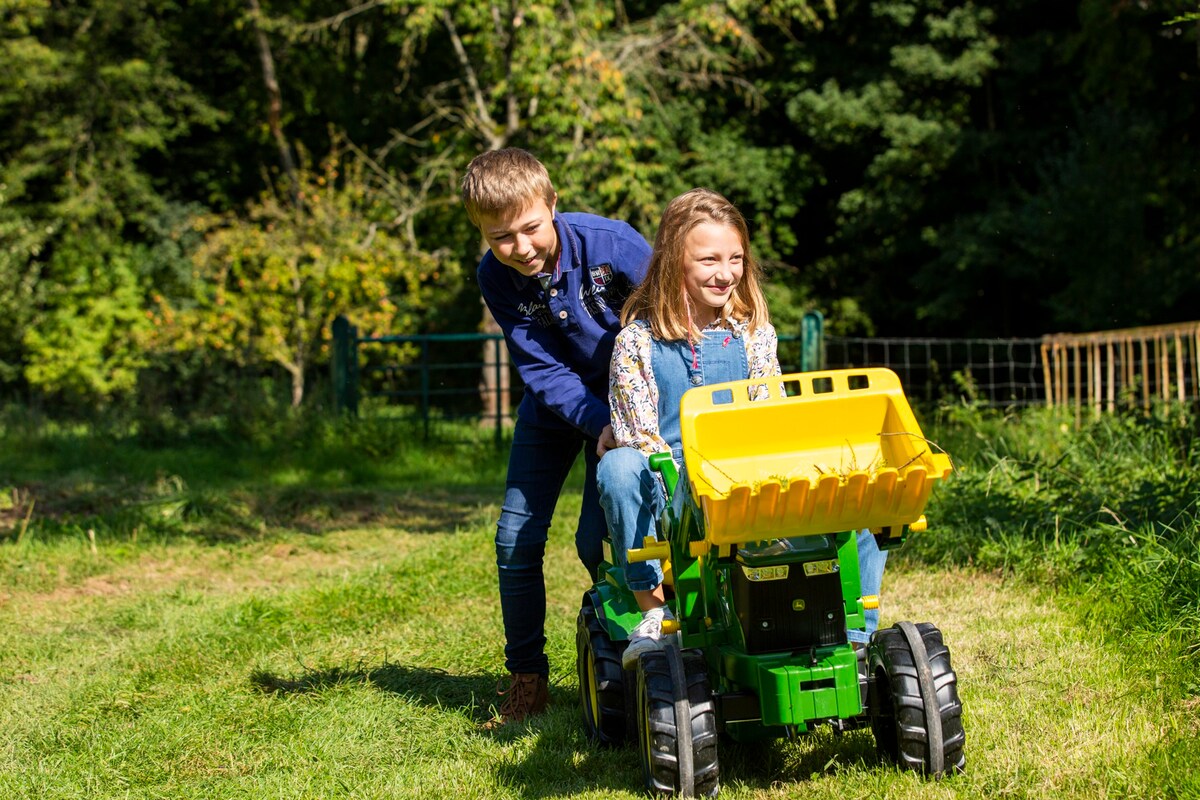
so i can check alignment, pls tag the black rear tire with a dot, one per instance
(914, 707)
(664, 767)
(601, 679)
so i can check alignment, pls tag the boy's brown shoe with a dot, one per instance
(526, 696)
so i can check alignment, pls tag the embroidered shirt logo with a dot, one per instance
(602, 274)
(593, 293)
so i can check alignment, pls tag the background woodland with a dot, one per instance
(191, 192)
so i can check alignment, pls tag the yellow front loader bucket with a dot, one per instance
(823, 452)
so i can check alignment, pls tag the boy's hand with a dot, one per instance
(606, 441)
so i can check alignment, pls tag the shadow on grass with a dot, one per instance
(562, 761)
(416, 511)
(431, 687)
(767, 764)
(229, 516)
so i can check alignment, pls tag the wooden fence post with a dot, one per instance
(1106, 365)
(344, 366)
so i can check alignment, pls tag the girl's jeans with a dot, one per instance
(871, 561)
(632, 497)
(538, 466)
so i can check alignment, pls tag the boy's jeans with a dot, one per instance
(538, 466)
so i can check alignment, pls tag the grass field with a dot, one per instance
(295, 623)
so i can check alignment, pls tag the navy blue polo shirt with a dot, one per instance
(561, 336)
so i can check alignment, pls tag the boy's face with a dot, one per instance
(524, 240)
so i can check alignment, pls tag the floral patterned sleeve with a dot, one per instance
(762, 351)
(633, 393)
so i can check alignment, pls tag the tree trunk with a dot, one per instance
(297, 386)
(274, 99)
(301, 311)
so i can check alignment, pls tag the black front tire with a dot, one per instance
(601, 679)
(914, 707)
(664, 767)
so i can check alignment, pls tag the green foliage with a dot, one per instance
(268, 286)
(84, 344)
(1109, 510)
(984, 168)
(88, 96)
(885, 114)
(1071, 209)
(21, 241)
(590, 90)
(79, 119)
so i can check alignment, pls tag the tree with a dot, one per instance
(21, 241)
(587, 85)
(268, 285)
(85, 346)
(1077, 183)
(881, 97)
(87, 95)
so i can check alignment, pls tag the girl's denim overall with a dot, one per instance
(631, 495)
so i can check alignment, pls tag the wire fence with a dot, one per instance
(444, 380)
(995, 372)
(457, 378)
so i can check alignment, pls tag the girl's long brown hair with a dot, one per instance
(661, 298)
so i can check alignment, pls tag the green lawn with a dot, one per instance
(318, 618)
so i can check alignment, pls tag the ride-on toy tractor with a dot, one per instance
(759, 551)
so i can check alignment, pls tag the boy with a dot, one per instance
(555, 283)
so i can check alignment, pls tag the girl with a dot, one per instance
(699, 317)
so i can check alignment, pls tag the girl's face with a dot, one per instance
(712, 266)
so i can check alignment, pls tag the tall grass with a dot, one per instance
(1109, 511)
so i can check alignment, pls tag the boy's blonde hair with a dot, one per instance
(503, 181)
(661, 298)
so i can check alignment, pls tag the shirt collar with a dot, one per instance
(726, 324)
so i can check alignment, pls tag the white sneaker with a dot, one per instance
(645, 637)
